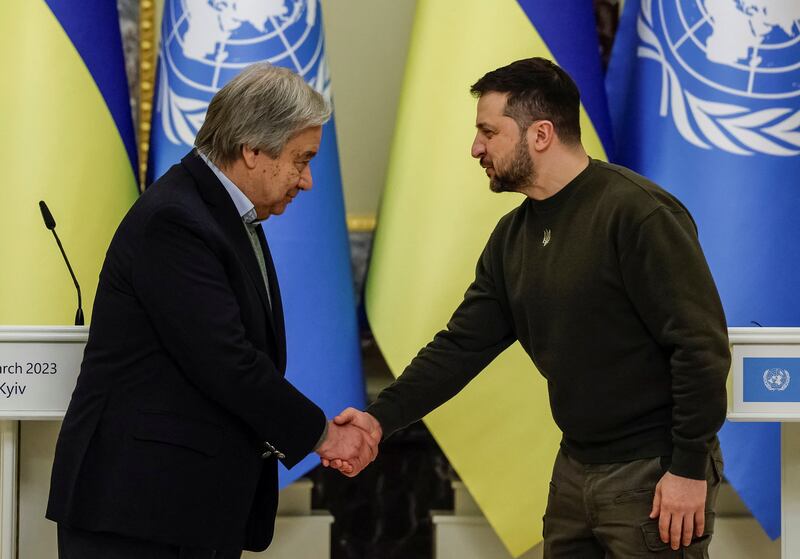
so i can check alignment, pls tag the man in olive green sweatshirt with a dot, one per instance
(600, 276)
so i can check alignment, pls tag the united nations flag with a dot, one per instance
(203, 45)
(705, 100)
(729, 72)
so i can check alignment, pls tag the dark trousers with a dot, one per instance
(80, 544)
(602, 511)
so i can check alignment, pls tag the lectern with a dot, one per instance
(766, 387)
(38, 369)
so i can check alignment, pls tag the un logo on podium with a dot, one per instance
(207, 42)
(722, 62)
(776, 380)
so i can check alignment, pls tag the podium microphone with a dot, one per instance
(50, 223)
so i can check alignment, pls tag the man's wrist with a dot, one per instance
(374, 411)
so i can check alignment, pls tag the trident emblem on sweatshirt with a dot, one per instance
(546, 237)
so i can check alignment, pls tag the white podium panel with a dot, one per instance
(39, 366)
(766, 374)
(766, 387)
(38, 369)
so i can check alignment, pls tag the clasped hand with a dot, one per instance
(351, 443)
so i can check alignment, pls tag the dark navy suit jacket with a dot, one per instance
(182, 381)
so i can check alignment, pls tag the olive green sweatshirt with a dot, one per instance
(607, 289)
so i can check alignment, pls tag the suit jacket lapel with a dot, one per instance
(224, 211)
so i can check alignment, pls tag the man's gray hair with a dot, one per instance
(262, 107)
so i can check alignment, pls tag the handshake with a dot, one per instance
(351, 442)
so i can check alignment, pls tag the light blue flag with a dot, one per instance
(705, 100)
(203, 46)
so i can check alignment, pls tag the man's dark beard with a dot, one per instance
(520, 172)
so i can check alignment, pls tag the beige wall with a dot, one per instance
(367, 42)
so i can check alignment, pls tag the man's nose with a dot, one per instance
(478, 149)
(306, 181)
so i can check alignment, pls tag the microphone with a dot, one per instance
(50, 223)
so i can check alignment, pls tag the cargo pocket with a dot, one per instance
(698, 549)
(652, 540)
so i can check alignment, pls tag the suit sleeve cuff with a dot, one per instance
(322, 437)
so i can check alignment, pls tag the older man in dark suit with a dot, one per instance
(170, 444)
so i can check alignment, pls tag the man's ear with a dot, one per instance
(541, 135)
(249, 156)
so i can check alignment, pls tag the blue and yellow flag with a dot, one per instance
(66, 138)
(203, 45)
(705, 101)
(436, 216)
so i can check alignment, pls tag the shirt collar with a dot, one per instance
(243, 204)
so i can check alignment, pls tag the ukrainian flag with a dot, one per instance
(436, 216)
(66, 138)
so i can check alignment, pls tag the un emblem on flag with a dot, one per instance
(731, 71)
(205, 43)
(776, 380)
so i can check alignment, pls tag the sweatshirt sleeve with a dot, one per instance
(670, 284)
(479, 330)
